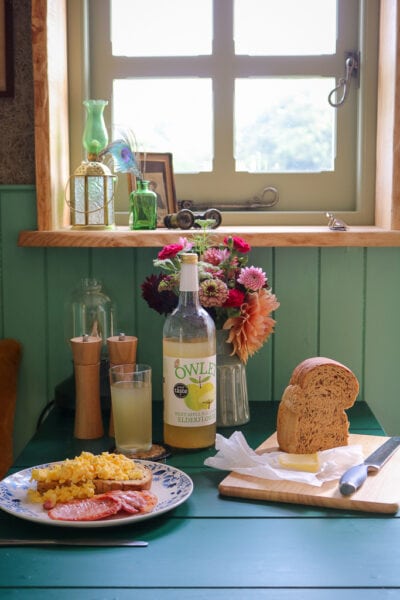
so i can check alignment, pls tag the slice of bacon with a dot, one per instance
(131, 501)
(135, 501)
(89, 509)
(151, 501)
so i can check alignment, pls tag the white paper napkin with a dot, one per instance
(234, 454)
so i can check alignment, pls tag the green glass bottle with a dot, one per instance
(143, 207)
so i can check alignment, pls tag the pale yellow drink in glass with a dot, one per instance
(189, 437)
(132, 411)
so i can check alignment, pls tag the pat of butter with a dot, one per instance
(299, 462)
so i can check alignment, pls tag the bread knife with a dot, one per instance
(354, 477)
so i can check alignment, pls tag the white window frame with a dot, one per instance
(52, 143)
(362, 193)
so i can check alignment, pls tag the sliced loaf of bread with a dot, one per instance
(311, 414)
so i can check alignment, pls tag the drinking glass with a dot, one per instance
(131, 401)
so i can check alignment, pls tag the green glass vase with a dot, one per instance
(143, 201)
(95, 135)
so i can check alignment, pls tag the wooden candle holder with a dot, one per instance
(122, 351)
(86, 352)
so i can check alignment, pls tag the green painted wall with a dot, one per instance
(337, 302)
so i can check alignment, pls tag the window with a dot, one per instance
(240, 99)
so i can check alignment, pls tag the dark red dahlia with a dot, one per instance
(163, 302)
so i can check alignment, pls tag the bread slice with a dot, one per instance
(106, 485)
(311, 414)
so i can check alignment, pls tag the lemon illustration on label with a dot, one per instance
(201, 394)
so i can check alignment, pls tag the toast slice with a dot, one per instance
(106, 485)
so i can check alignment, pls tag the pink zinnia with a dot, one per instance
(213, 292)
(214, 271)
(170, 251)
(253, 278)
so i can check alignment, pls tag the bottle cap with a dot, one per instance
(189, 258)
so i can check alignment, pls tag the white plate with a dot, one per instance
(171, 486)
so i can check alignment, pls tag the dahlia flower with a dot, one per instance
(163, 302)
(254, 325)
(215, 256)
(253, 278)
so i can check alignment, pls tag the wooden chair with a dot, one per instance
(10, 357)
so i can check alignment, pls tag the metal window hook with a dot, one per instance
(352, 66)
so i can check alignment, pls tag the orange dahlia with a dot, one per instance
(253, 326)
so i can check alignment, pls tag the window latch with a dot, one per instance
(352, 71)
(335, 224)
(269, 198)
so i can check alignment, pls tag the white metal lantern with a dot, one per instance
(91, 200)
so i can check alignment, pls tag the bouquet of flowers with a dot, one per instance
(237, 297)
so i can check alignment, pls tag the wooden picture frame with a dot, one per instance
(158, 170)
(6, 49)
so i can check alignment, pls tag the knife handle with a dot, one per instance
(353, 479)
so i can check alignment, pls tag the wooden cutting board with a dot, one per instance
(380, 492)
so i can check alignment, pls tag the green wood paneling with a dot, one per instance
(339, 302)
(259, 369)
(382, 336)
(296, 284)
(116, 270)
(64, 269)
(24, 307)
(342, 293)
(149, 324)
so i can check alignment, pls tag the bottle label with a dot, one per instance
(190, 393)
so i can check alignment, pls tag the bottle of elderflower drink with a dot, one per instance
(189, 367)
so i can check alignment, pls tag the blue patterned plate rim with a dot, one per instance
(171, 486)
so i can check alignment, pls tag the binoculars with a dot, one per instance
(185, 218)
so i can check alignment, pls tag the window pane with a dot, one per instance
(284, 125)
(161, 27)
(168, 115)
(285, 27)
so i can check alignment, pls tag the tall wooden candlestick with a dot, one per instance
(122, 351)
(86, 352)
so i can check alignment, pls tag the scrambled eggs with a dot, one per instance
(74, 477)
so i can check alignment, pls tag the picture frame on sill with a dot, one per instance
(6, 49)
(157, 168)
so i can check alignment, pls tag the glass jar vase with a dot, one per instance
(89, 310)
(232, 398)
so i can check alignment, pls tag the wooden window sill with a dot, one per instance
(256, 236)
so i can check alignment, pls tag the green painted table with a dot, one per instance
(210, 546)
